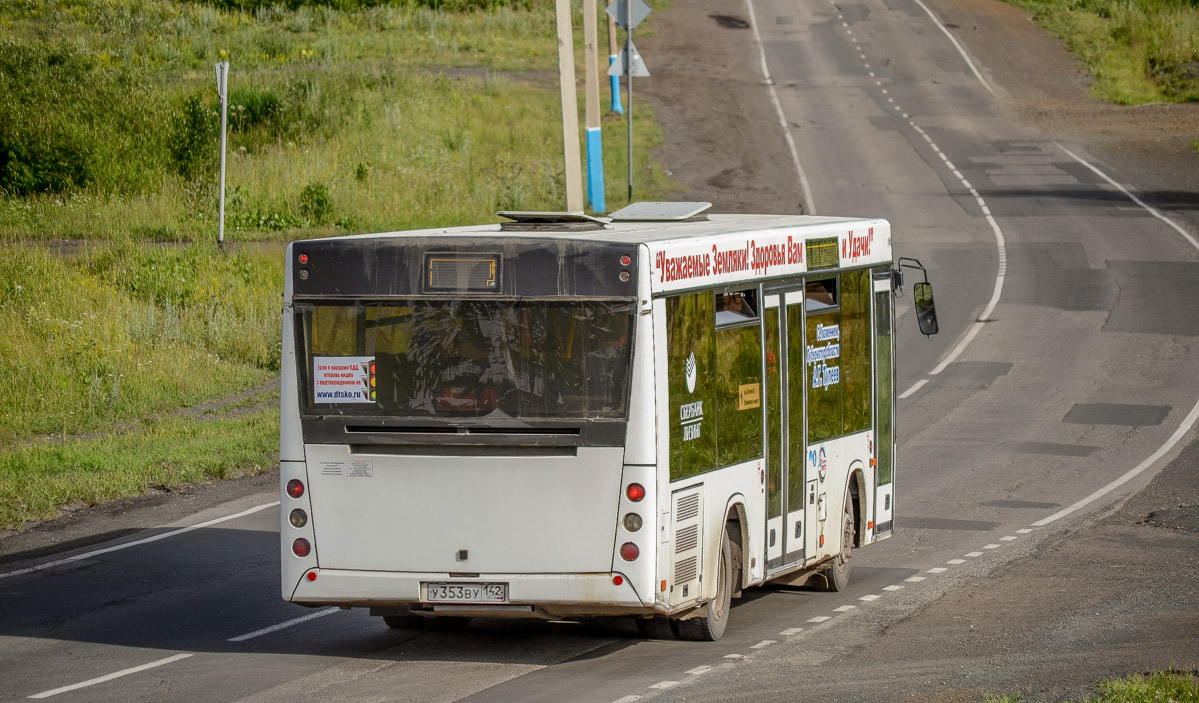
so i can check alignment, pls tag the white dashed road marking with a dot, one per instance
(110, 677)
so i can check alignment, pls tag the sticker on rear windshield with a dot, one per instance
(343, 379)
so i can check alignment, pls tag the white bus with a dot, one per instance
(564, 416)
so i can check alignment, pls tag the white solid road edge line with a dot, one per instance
(284, 625)
(809, 203)
(136, 543)
(958, 46)
(1175, 438)
(1186, 235)
(110, 677)
(1187, 423)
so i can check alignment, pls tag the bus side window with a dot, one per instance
(855, 350)
(739, 378)
(823, 351)
(691, 371)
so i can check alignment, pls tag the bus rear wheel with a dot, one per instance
(710, 624)
(837, 576)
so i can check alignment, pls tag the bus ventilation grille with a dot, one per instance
(688, 507)
(684, 571)
(687, 539)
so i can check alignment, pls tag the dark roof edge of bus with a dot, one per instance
(625, 232)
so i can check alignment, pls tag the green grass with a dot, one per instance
(1138, 51)
(35, 481)
(1156, 687)
(129, 330)
(117, 307)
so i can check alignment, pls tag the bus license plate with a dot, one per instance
(466, 592)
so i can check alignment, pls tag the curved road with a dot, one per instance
(1062, 380)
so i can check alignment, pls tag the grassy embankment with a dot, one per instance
(120, 342)
(1157, 687)
(1138, 51)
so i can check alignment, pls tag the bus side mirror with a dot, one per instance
(926, 310)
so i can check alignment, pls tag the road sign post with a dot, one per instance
(629, 14)
(222, 85)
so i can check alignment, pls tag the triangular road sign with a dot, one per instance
(620, 8)
(635, 67)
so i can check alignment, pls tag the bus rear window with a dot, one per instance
(465, 358)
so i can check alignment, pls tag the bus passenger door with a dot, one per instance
(795, 420)
(775, 436)
(785, 494)
(884, 406)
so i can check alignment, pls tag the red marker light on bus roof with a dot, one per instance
(295, 488)
(635, 492)
(303, 258)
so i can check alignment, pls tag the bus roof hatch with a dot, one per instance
(659, 212)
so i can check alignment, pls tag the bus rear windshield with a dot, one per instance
(468, 358)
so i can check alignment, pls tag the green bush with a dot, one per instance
(251, 108)
(193, 141)
(315, 203)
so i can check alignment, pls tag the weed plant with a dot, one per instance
(1137, 50)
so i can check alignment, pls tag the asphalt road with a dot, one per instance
(1063, 379)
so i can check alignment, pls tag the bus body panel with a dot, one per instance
(526, 514)
(553, 594)
(641, 445)
(291, 440)
(841, 456)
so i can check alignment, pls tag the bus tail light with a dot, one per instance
(295, 488)
(301, 547)
(298, 518)
(629, 551)
(635, 492)
(632, 522)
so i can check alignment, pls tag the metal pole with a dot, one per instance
(222, 84)
(628, 69)
(570, 109)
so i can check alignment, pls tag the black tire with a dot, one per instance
(837, 575)
(710, 624)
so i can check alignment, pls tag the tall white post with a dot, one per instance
(222, 84)
(570, 109)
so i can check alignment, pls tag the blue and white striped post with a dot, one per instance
(595, 151)
(595, 170)
(612, 49)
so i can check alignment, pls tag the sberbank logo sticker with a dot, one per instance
(691, 415)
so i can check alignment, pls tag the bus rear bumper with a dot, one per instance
(548, 595)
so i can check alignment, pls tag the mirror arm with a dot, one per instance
(897, 272)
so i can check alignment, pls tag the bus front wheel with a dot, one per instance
(837, 575)
(710, 624)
